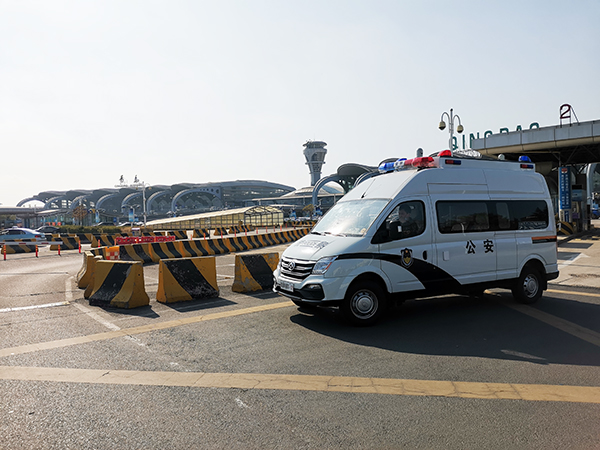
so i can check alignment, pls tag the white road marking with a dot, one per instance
(24, 308)
(572, 260)
(91, 313)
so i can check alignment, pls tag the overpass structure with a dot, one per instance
(567, 155)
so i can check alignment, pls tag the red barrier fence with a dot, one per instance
(142, 239)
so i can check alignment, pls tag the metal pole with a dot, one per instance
(451, 129)
(144, 200)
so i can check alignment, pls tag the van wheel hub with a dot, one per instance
(530, 286)
(364, 304)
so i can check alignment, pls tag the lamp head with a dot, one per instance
(459, 129)
(442, 125)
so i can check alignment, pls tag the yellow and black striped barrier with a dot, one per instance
(103, 240)
(164, 250)
(84, 276)
(194, 248)
(254, 272)
(187, 279)
(65, 243)
(21, 246)
(566, 228)
(201, 233)
(84, 238)
(179, 234)
(119, 284)
(136, 252)
(219, 231)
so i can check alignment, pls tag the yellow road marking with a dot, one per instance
(382, 386)
(29, 348)
(585, 294)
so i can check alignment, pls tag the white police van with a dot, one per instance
(428, 226)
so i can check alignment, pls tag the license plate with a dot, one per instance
(286, 286)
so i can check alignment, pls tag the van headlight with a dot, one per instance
(323, 265)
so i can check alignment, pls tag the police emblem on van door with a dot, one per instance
(407, 258)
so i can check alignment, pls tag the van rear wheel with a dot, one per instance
(528, 288)
(364, 303)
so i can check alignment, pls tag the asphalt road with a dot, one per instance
(252, 371)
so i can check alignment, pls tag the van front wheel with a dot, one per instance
(528, 288)
(364, 303)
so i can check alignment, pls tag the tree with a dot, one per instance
(308, 210)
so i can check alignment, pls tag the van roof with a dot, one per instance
(414, 176)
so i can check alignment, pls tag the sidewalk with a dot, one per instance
(579, 260)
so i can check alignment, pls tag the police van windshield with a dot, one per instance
(352, 218)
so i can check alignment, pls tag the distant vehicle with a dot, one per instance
(21, 234)
(595, 213)
(47, 229)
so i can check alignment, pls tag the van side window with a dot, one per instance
(406, 220)
(529, 215)
(460, 217)
(473, 216)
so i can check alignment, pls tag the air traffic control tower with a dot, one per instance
(315, 152)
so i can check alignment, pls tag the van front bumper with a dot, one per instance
(311, 292)
(314, 288)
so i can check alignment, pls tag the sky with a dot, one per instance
(195, 91)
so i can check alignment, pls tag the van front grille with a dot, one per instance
(296, 269)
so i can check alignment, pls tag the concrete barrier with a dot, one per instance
(193, 248)
(179, 234)
(103, 240)
(219, 231)
(84, 238)
(238, 244)
(85, 274)
(119, 284)
(217, 246)
(65, 243)
(20, 247)
(164, 250)
(187, 279)
(253, 241)
(201, 233)
(566, 228)
(254, 272)
(136, 252)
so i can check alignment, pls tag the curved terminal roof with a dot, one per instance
(180, 197)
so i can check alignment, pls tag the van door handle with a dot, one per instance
(425, 255)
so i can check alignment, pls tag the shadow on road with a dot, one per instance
(464, 326)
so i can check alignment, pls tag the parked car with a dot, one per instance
(47, 229)
(19, 234)
(595, 213)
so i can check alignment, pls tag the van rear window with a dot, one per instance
(477, 216)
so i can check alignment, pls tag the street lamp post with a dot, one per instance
(451, 117)
(137, 184)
